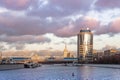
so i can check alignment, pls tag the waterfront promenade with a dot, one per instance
(60, 72)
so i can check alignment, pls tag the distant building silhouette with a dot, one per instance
(85, 45)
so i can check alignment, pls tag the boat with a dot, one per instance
(31, 65)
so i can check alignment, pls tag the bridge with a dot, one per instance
(59, 61)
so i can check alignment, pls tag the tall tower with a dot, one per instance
(65, 52)
(85, 45)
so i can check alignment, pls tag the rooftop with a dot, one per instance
(85, 30)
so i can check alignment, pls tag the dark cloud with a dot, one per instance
(72, 28)
(46, 8)
(16, 4)
(22, 26)
(24, 39)
(25, 21)
(13, 25)
(58, 8)
(101, 29)
(19, 27)
(111, 29)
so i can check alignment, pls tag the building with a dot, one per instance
(110, 52)
(97, 54)
(85, 45)
(35, 58)
(66, 53)
(19, 58)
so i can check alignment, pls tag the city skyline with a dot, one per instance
(48, 24)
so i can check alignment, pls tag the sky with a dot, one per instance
(49, 24)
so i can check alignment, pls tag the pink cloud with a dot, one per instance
(16, 4)
(19, 26)
(115, 26)
(107, 4)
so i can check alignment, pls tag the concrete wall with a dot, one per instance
(11, 66)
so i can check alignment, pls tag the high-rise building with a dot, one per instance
(65, 52)
(85, 45)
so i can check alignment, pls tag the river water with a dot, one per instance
(58, 72)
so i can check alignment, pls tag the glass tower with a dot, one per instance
(85, 45)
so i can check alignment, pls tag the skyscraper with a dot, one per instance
(85, 45)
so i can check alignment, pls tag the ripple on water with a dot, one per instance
(48, 72)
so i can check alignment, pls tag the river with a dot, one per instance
(58, 72)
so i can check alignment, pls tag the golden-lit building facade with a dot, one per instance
(66, 54)
(85, 45)
(35, 58)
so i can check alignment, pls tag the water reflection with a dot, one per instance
(95, 73)
(51, 72)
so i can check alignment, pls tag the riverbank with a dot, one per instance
(114, 66)
(59, 72)
(11, 66)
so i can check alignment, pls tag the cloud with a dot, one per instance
(58, 8)
(114, 27)
(72, 41)
(16, 4)
(65, 31)
(17, 46)
(72, 28)
(110, 29)
(2, 47)
(21, 26)
(107, 47)
(48, 8)
(58, 19)
(24, 39)
(107, 4)
(27, 21)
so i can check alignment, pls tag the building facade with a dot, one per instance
(110, 52)
(66, 54)
(85, 45)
